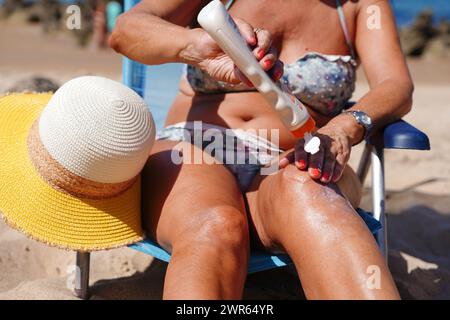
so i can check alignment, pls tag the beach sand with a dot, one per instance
(418, 193)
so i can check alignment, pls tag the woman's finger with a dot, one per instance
(247, 32)
(264, 40)
(341, 161)
(268, 61)
(316, 162)
(286, 159)
(337, 172)
(277, 70)
(328, 167)
(301, 157)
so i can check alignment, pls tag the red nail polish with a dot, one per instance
(315, 173)
(267, 64)
(253, 40)
(325, 177)
(301, 164)
(278, 74)
(261, 53)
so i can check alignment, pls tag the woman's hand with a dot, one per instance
(209, 57)
(327, 165)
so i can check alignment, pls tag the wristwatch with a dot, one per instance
(362, 119)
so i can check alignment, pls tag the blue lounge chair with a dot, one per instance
(158, 85)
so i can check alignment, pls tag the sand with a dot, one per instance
(418, 193)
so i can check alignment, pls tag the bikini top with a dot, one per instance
(323, 82)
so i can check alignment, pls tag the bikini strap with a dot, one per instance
(343, 22)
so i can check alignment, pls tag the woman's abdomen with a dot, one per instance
(245, 110)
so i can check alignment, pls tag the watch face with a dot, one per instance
(364, 118)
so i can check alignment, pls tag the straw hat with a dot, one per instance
(70, 163)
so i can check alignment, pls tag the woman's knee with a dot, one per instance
(311, 204)
(294, 182)
(221, 229)
(293, 186)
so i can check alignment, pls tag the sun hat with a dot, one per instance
(70, 163)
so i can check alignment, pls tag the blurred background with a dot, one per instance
(38, 53)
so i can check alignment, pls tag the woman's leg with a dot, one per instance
(196, 211)
(334, 252)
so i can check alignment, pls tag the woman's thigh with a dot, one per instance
(181, 198)
(271, 199)
(322, 233)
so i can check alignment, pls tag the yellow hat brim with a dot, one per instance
(30, 205)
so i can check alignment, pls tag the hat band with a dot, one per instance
(62, 179)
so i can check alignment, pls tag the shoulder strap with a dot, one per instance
(343, 22)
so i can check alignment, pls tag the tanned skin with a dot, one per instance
(198, 213)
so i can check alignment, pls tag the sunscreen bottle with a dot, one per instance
(216, 21)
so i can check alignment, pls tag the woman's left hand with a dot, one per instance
(329, 162)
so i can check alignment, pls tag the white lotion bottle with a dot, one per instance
(216, 21)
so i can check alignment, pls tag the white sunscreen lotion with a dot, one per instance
(312, 144)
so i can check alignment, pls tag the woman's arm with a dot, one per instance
(154, 32)
(389, 98)
(391, 87)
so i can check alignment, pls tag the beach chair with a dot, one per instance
(158, 86)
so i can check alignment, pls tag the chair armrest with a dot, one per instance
(402, 135)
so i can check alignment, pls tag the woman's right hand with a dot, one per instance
(206, 54)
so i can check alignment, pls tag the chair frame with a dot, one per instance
(373, 157)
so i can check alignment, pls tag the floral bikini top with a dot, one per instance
(323, 82)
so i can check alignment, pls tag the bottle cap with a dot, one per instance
(308, 126)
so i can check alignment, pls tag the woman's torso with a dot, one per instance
(298, 27)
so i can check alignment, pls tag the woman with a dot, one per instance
(209, 215)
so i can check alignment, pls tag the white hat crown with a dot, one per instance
(97, 129)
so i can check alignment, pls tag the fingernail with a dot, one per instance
(301, 164)
(278, 74)
(253, 40)
(315, 173)
(261, 53)
(325, 177)
(267, 64)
